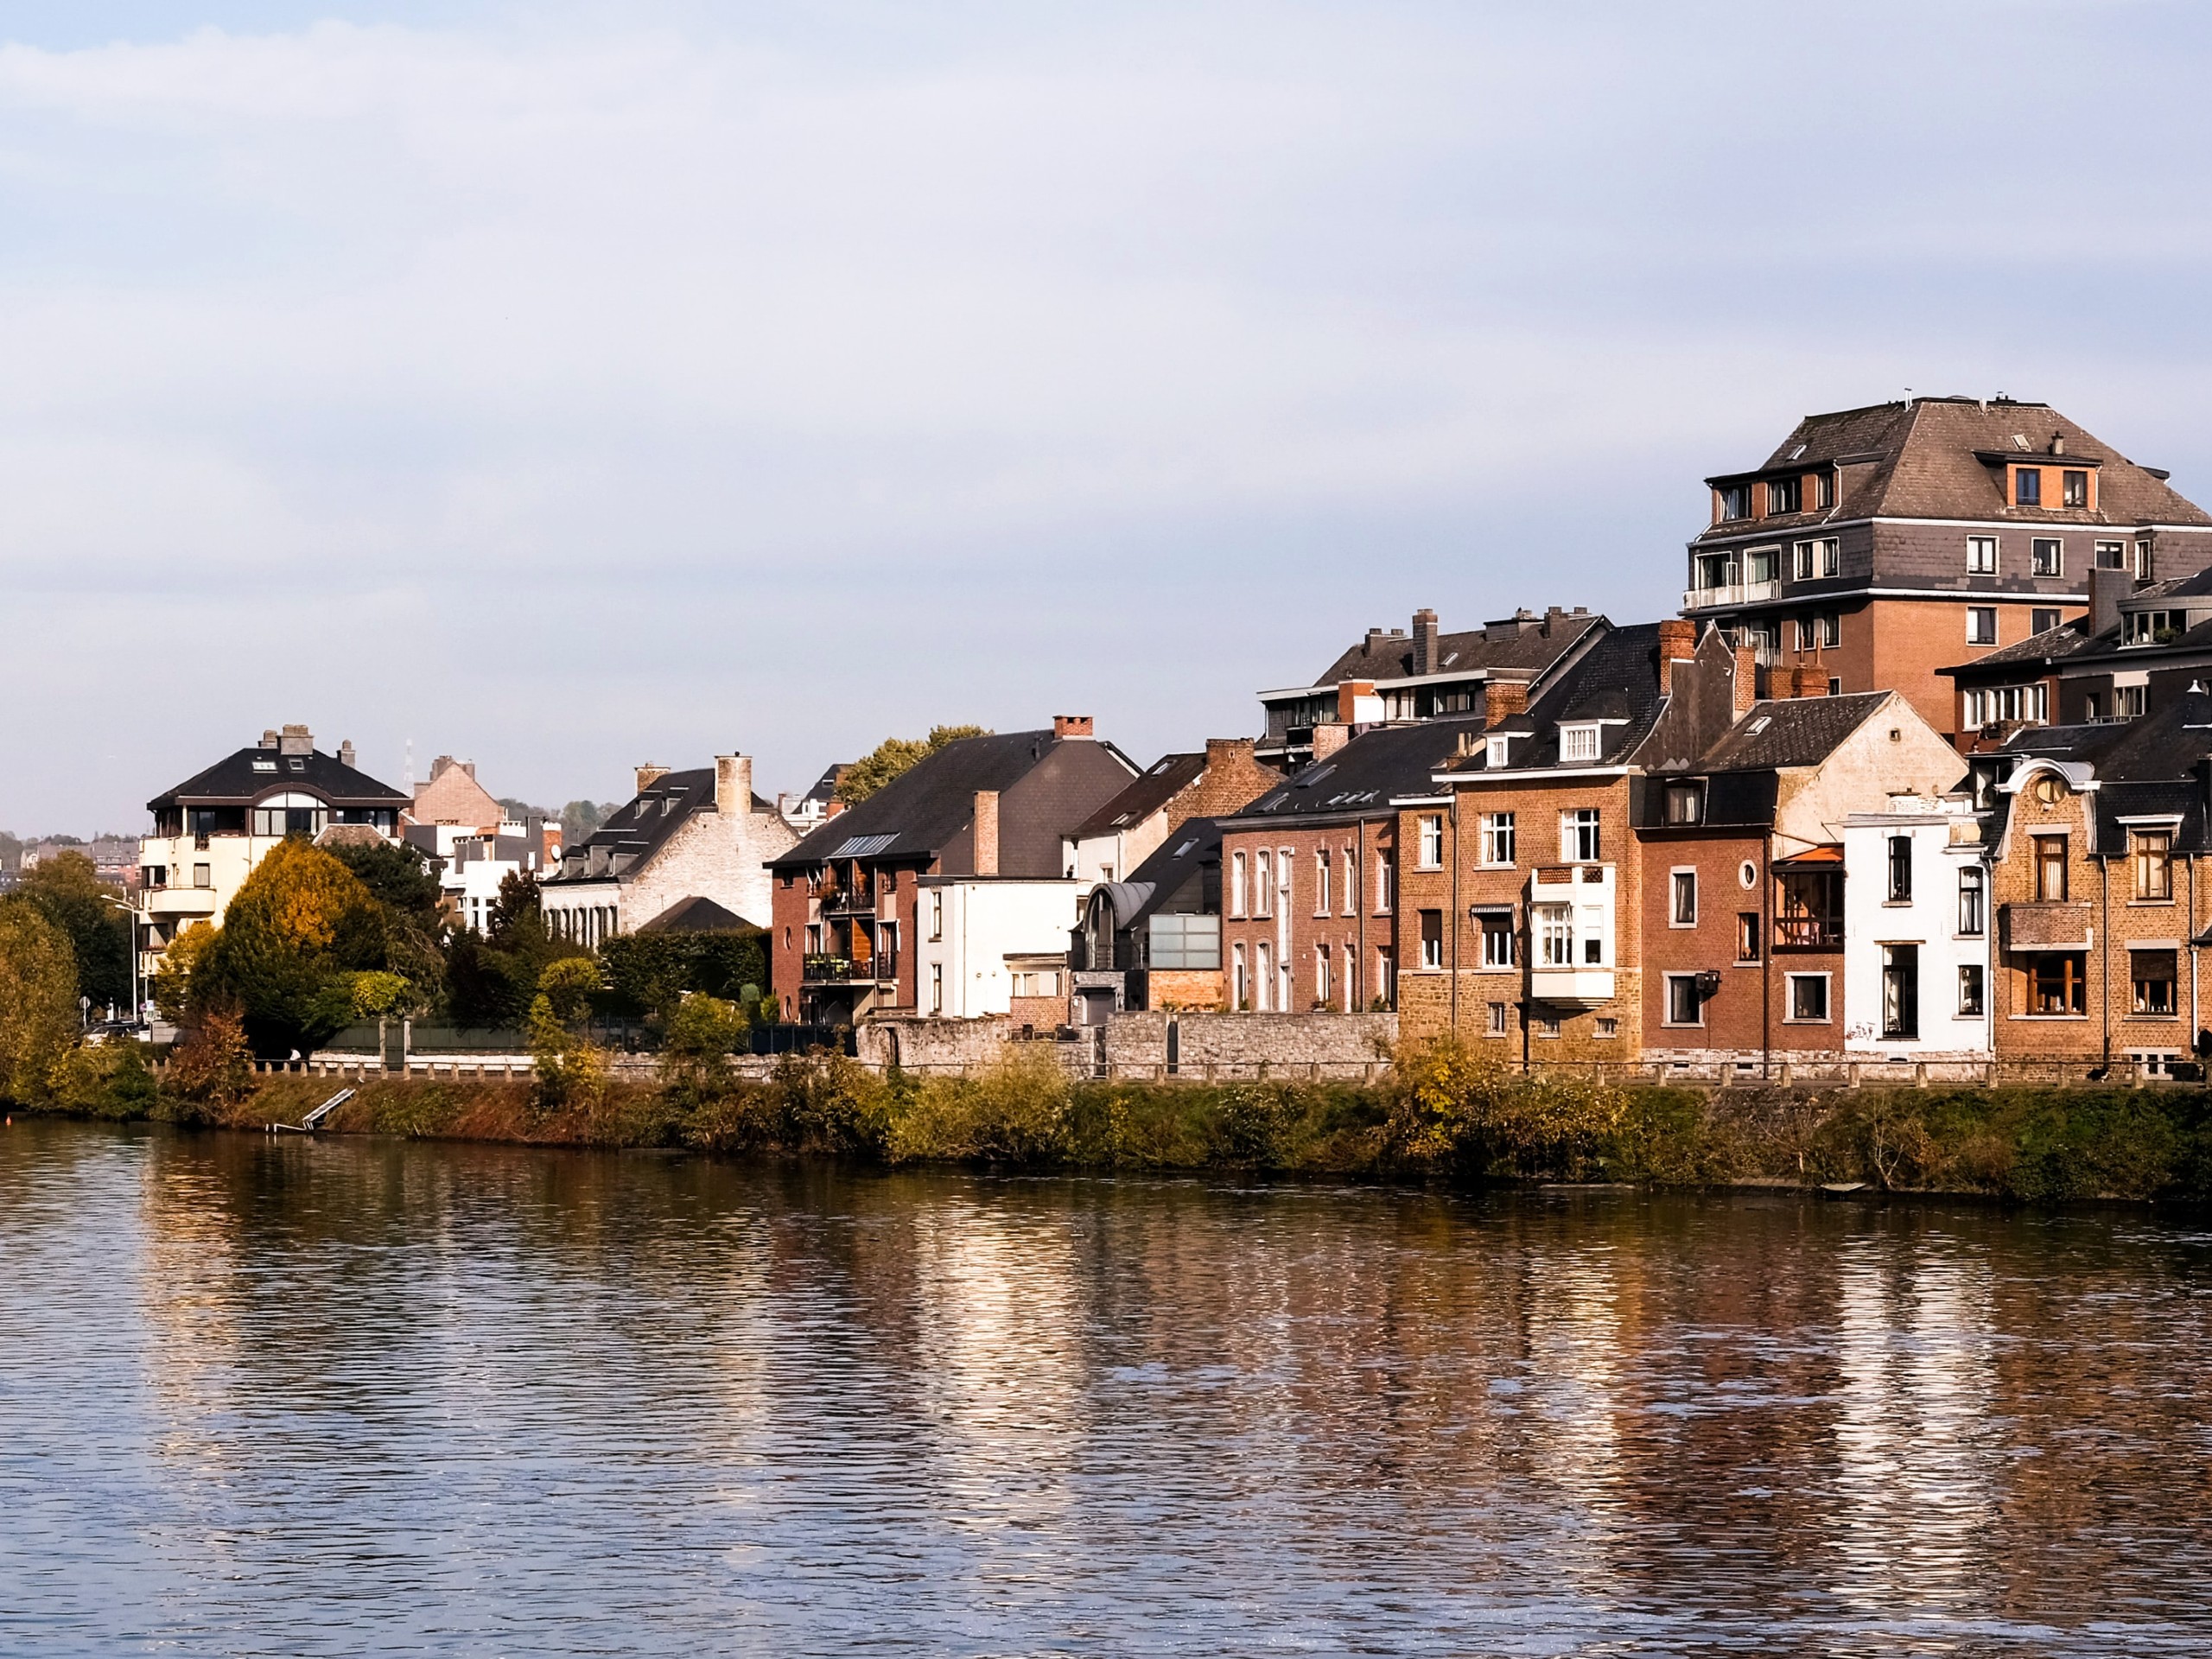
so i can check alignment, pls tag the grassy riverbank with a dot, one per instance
(1442, 1113)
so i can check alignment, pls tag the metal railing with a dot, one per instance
(845, 970)
(1809, 933)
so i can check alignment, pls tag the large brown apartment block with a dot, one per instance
(1879, 545)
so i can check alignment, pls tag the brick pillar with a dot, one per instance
(1677, 643)
(987, 832)
(1502, 699)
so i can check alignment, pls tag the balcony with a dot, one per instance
(1809, 933)
(843, 971)
(1733, 593)
(1572, 988)
(179, 901)
(848, 901)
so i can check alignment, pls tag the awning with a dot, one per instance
(1819, 858)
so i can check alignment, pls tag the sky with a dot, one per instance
(565, 387)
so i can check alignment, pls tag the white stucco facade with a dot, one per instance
(1934, 940)
(967, 927)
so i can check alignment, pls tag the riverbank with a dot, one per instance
(1438, 1115)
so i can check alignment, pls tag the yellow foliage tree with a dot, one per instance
(38, 1002)
(300, 921)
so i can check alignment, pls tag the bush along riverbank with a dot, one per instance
(1444, 1113)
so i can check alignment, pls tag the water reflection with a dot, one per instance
(320, 1397)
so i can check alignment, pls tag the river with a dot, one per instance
(339, 1397)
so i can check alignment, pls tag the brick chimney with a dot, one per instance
(650, 774)
(1745, 684)
(831, 808)
(1349, 692)
(268, 737)
(1677, 644)
(1071, 726)
(1812, 680)
(345, 753)
(1327, 740)
(987, 832)
(732, 784)
(1502, 699)
(1225, 753)
(1426, 635)
(295, 740)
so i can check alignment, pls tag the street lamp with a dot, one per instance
(138, 1003)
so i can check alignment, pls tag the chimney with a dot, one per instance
(1222, 753)
(1071, 726)
(345, 753)
(732, 784)
(1327, 740)
(2058, 444)
(1746, 685)
(831, 808)
(1375, 639)
(1502, 699)
(2107, 589)
(295, 740)
(987, 832)
(1812, 680)
(268, 738)
(1552, 614)
(1677, 643)
(438, 767)
(650, 774)
(1425, 638)
(1349, 692)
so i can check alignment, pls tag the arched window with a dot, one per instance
(1265, 975)
(291, 813)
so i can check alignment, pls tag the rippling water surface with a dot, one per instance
(334, 1396)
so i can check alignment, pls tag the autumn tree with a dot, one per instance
(401, 881)
(68, 891)
(38, 1001)
(893, 756)
(300, 921)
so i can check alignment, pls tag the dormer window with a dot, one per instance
(1685, 804)
(1497, 751)
(1735, 501)
(2074, 489)
(1783, 494)
(1578, 742)
(2027, 487)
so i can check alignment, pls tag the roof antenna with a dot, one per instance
(1908, 394)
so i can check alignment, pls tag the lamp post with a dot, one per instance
(137, 1001)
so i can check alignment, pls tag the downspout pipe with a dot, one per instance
(1455, 912)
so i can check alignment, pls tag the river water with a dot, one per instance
(337, 1396)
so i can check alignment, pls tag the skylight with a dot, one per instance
(861, 846)
(1183, 851)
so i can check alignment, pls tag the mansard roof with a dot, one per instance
(1520, 645)
(241, 778)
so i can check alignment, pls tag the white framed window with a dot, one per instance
(1497, 839)
(1682, 909)
(1578, 742)
(1579, 840)
(1801, 560)
(2128, 701)
(1264, 884)
(1496, 752)
(1981, 625)
(1554, 930)
(1831, 555)
(1981, 555)
(1497, 939)
(1432, 938)
(2001, 702)
(1321, 882)
(2143, 561)
(1970, 990)
(1263, 976)
(1497, 1014)
(1430, 849)
(936, 914)
(2111, 555)
(936, 987)
(2047, 556)
(1684, 1006)
(1242, 987)
(1386, 881)
(1236, 886)
(1607, 1028)
(1805, 1000)
(1349, 886)
(1320, 973)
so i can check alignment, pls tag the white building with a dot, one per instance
(1916, 925)
(983, 939)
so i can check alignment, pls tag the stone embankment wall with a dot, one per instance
(1206, 1046)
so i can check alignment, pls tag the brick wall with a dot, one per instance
(2019, 1032)
(1233, 777)
(1293, 928)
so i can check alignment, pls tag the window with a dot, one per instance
(1498, 839)
(2143, 561)
(1683, 1005)
(1497, 751)
(1547, 1025)
(1981, 555)
(1432, 841)
(1809, 912)
(1432, 938)
(203, 875)
(1554, 936)
(2041, 620)
(2152, 975)
(2048, 556)
(1835, 685)
(1819, 559)
(2027, 486)
(1321, 882)
(2051, 869)
(1497, 939)
(2128, 701)
(1759, 564)
(2112, 556)
(1578, 742)
(1827, 629)
(1183, 941)
(1683, 801)
(1824, 493)
(2074, 489)
(936, 914)
(814, 938)
(1785, 494)
(1685, 898)
(1733, 502)
(1605, 1027)
(2030, 703)
(1970, 989)
(1497, 1027)
(1831, 548)
(1972, 911)
(1577, 835)
(1263, 883)
(1386, 975)
(2093, 705)
(1747, 936)
(2154, 866)
(1981, 625)
(936, 987)
(1808, 1000)
(1900, 991)
(1321, 972)
(1349, 886)
(1236, 884)
(1386, 881)
(1243, 980)
(1900, 870)
(1801, 560)
(2057, 982)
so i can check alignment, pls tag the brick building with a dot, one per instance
(1881, 545)
(1175, 789)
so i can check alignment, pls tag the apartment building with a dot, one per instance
(1879, 546)
(1916, 930)
(1153, 940)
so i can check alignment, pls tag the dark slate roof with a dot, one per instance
(1162, 879)
(1616, 683)
(633, 833)
(826, 785)
(1516, 646)
(922, 811)
(1147, 792)
(1360, 779)
(233, 781)
(698, 915)
(1801, 732)
(1925, 464)
(2067, 639)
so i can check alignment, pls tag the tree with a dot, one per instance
(396, 875)
(651, 973)
(68, 891)
(894, 755)
(171, 984)
(570, 1070)
(580, 818)
(300, 920)
(38, 1001)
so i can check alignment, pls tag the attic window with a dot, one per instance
(1798, 453)
(297, 765)
(1578, 742)
(2019, 442)
(1758, 726)
(1499, 753)
(1316, 775)
(1123, 819)
(264, 765)
(1159, 767)
(1183, 851)
(1451, 658)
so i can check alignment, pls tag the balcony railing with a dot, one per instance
(858, 902)
(1731, 593)
(845, 970)
(1809, 933)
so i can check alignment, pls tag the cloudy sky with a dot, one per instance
(566, 387)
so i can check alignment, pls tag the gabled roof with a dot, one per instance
(1616, 684)
(698, 915)
(2067, 639)
(1360, 779)
(1160, 880)
(632, 834)
(1800, 732)
(241, 778)
(1148, 791)
(1923, 459)
(1519, 646)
